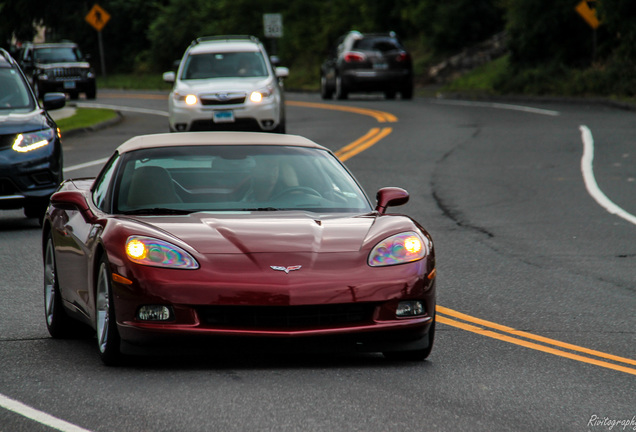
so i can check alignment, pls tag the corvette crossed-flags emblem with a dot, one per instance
(286, 269)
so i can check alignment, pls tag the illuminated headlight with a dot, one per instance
(189, 99)
(90, 74)
(30, 141)
(398, 249)
(410, 308)
(258, 96)
(158, 253)
(154, 313)
(43, 77)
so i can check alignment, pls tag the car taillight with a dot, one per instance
(402, 57)
(354, 57)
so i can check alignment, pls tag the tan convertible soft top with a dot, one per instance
(214, 138)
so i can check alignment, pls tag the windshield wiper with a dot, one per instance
(158, 211)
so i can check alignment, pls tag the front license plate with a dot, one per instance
(224, 116)
(69, 84)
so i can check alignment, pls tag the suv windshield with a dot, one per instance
(14, 94)
(57, 54)
(224, 65)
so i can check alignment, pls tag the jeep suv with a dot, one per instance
(58, 67)
(226, 83)
(30, 146)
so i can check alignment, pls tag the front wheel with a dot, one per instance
(59, 325)
(108, 340)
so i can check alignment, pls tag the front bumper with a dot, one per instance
(248, 116)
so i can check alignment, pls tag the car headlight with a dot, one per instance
(259, 95)
(398, 249)
(158, 253)
(29, 141)
(189, 99)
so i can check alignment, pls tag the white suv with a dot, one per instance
(226, 83)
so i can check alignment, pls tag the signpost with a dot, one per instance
(98, 17)
(273, 26)
(587, 10)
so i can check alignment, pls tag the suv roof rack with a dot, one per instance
(225, 38)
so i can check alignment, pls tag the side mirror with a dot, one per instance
(53, 101)
(390, 196)
(72, 200)
(281, 72)
(169, 77)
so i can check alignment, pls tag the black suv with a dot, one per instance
(367, 63)
(58, 67)
(30, 146)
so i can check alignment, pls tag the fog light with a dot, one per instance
(181, 126)
(268, 123)
(410, 308)
(154, 313)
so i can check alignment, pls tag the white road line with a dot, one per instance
(38, 416)
(499, 106)
(86, 165)
(590, 181)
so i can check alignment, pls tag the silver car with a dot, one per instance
(226, 83)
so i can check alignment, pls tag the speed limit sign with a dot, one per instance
(273, 24)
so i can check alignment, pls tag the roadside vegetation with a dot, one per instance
(84, 118)
(551, 49)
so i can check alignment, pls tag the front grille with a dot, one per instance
(67, 73)
(6, 141)
(285, 317)
(240, 124)
(7, 187)
(222, 99)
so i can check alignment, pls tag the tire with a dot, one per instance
(59, 325)
(91, 93)
(407, 92)
(73, 95)
(108, 340)
(36, 209)
(416, 355)
(325, 91)
(389, 94)
(281, 128)
(341, 91)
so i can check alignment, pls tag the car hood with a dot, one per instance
(223, 85)
(291, 233)
(63, 65)
(22, 122)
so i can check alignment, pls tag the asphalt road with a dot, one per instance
(536, 286)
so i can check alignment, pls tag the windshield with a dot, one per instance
(14, 94)
(175, 180)
(57, 55)
(224, 65)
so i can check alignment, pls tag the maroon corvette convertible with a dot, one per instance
(212, 237)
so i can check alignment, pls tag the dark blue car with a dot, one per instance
(30, 145)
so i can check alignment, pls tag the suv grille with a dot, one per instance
(70, 73)
(223, 99)
(288, 317)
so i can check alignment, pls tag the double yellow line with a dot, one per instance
(367, 140)
(460, 320)
(522, 338)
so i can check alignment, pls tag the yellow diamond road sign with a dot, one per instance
(588, 12)
(97, 17)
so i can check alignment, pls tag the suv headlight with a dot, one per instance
(29, 141)
(259, 95)
(188, 99)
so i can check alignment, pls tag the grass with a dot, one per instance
(482, 80)
(145, 81)
(84, 118)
